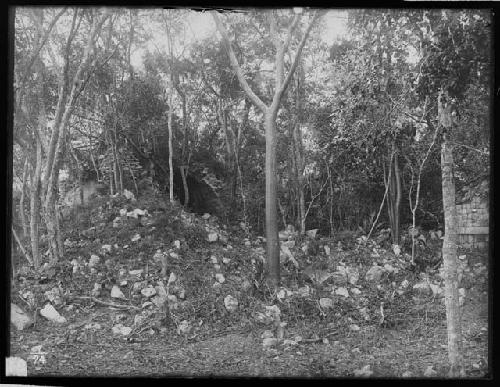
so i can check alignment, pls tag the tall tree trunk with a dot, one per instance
(299, 149)
(454, 326)
(170, 151)
(183, 170)
(22, 214)
(330, 198)
(35, 205)
(394, 194)
(272, 244)
(397, 204)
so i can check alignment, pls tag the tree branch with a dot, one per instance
(297, 55)
(236, 67)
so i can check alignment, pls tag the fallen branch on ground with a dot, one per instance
(97, 301)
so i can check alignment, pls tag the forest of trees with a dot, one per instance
(260, 121)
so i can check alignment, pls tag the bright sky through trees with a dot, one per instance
(201, 25)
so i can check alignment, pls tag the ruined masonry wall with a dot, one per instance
(473, 221)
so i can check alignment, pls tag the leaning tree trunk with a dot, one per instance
(450, 248)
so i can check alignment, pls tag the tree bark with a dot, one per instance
(454, 327)
(272, 245)
(22, 214)
(170, 151)
(35, 205)
(183, 169)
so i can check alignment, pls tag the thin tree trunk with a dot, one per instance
(21, 247)
(397, 204)
(330, 198)
(413, 208)
(35, 205)
(22, 213)
(170, 151)
(450, 248)
(183, 170)
(272, 244)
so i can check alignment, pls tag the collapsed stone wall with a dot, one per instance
(473, 221)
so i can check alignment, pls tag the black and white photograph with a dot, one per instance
(240, 192)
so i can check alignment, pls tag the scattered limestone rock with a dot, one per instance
(51, 314)
(327, 249)
(106, 248)
(267, 334)
(230, 303)
(354, 327)
(212, 237)
(312, 233)
(246, 285)
(269, 342)
(342, 292)
(397, 250)
(287, 254)
(220, 278)
(54, 296)
(96, 291)
(184, 327)
(19, 318)
(226, 261)
(135, 238)
(94, 260)
(137, 272)
(120, 329)
(177, 244)
(304, 291)
(364, 313)
(15, 366)
(116, 292)
(430, 372)
(390, 269)
(148, 292)
(355, 291)
(436, 290)
(352, 275)
(422, 287)
(129, 195)
(374, 274)
(364, 372)
(171, 278)
(326, 303)
(123, 212)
